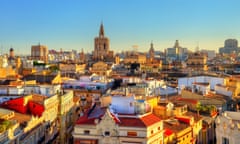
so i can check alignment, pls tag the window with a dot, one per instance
(225, 140)
(106, 133)
(104, 46)
(131, 134)
(86, 132)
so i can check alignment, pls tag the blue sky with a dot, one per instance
(73, 24)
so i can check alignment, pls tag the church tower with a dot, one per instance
(82, 56)
(101, 46)
(151, 51)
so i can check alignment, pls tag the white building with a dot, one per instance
(188, 81)
(210, 53)
(47, 90)
(228, 127)
(125, 104)
(223, 90)
(11, 90)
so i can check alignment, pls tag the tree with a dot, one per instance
(198, 107)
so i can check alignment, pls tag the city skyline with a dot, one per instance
(75, 24)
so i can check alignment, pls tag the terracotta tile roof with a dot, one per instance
(150, 119)
(144, 121)
(175, 128)
(85, 120)
(90, 115)
(131, 122)
(122, 120)
(184, 119)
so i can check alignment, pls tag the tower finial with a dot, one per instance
(151, 45)
(101, 32)
(176, 44)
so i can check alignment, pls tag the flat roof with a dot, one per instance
(21, 117)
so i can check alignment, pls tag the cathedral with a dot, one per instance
(101, 47)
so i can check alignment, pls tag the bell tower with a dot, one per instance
(101, 45)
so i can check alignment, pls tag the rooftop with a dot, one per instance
(175, 126)
(138, 121)
(38, 98)
(121, 119)
(21, 118)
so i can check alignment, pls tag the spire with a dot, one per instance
(151, 51)
(101, 32)
(151, 46)
(176, 44)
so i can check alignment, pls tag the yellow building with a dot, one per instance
(65, 116)
(152, 66)
(72, 68)
(7, 72)
(197, 62)
(210, 99)
(233, 84)
(181, 126)
(101, 68)
(135, 58)
(20, 128)
(153, 101)
(180, 130)
(8, 126)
